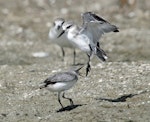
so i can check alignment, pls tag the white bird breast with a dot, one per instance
(80, 41)
(61, 86)
(61, 41)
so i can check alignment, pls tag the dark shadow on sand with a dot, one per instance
(69, 108)
(122, 98)
(78, 64)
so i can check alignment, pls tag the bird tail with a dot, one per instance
(101, 54)
(42, 85)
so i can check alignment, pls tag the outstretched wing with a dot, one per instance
(89, 16)
(97, 29)
(97, 25)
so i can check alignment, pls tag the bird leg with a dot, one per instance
(63, 53)
(74, 56)
(71, 101)
(88, 68)
(60, 100)
(98, 45)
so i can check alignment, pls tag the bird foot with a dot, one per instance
(88, 69)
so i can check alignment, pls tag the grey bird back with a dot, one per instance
(63, 76)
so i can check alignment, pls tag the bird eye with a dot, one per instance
(58, 27)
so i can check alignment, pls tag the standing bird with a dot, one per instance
(82, 38)
(61, 82)
(62, 40)
(87, 37)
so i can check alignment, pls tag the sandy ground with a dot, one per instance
(118, 90)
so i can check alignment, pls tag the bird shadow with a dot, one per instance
(122, 98)
(69, 108)
(77, 64)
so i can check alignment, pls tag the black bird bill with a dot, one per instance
(61, 34)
